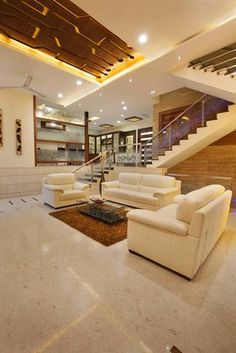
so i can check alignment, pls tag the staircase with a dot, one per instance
(95, 176)
(203, 123)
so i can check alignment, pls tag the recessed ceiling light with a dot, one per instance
(153, 91)
(101, 110)
(100, 94)
(79, 82)
(130, 80)
(179, 57)
(79, 104)
(122, 115)
(60, 95)
(123, 102)
(94, 118)
(125, 108)
(118, 121)
(94, 123)
(142, 38)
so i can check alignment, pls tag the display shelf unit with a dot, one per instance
(59, 142)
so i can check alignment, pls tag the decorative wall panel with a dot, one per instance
(18, 137)
(1, 132)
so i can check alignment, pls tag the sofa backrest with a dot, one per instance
(195, 200)
(65, 180)
(150, 182)
(130, 181)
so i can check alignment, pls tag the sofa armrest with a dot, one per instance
(80, 186)
(52, 187)
(111, 184)
(158, 221)
(165, 191)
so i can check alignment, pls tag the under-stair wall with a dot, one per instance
(215, 164)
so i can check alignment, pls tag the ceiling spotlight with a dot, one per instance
(122, 115)
(179, 57)
(60, 95)
(118, 121)
(123, 102)
(142, 38)
(124, 108)
(130, 80)
(79, 104)
(79, 82)
(153, 91)
(100, 94)
(94, 123)
(101, 110)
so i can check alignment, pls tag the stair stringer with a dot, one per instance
(215, 129)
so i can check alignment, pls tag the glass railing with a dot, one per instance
(192, 118)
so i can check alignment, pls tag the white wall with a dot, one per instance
(17, 104)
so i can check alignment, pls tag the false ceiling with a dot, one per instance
(62, 30)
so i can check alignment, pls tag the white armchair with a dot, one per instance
(180, 236)
(62, 189)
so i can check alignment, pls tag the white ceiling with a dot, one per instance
(167, 23)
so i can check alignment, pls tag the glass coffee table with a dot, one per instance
(104, 212)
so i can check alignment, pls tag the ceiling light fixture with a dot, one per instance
(94, 123)
(122, 115)
(123, 102)
(130, 80)
(79, 82)
(79, 104)
(153, 91)
(100, 94)
(101, 110)
(143, 38)
(124, 108)
(179, 57)
(60, 95)
(118, 121)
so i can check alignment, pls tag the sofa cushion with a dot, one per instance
(150, 182)
(131, 195)
(72, 195)
(163, 219)
(130, 181)
(60, 178)
(196, 200)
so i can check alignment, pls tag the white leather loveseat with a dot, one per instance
(180, 236)
(148, 191)
(62, 189)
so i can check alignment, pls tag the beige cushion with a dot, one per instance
(130, 181)
(72, 195)
(196, 200)
(60, 178)
(160, 220)
(150, 182)
(136, 196)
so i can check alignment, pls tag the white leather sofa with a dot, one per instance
(62, 189)
(147, 191)
(180, 236)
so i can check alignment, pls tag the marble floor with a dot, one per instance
(62, 292)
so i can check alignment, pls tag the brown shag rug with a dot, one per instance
(106, 234)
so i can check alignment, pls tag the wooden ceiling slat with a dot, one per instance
(61, 28)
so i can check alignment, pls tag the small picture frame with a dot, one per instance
(18, 138)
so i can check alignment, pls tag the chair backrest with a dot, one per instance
(60, 179)
(150, 182)
(130, 181)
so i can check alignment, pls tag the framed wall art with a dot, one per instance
(18, 137)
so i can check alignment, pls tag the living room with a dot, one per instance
(117, 177)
